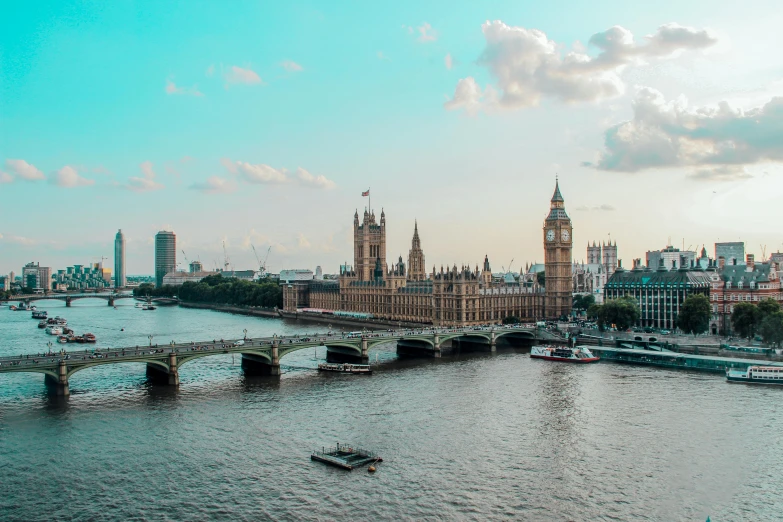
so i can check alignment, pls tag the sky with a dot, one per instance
(258, 124)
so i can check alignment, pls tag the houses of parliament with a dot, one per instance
(456, 296)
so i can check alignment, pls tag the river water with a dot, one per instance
(467, 437)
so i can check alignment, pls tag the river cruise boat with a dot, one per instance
(40, 314)
(580, 355)
(148, 307)
(53, 329)
(757, 375)
(41, 324)
(345, 368)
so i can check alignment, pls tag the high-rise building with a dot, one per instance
(165, 255)
(733, 253)
(119, 260)
(557, 258)
(37, 277)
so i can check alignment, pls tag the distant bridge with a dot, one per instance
(262, 356)
(69, 297)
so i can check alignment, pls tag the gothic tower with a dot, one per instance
(416, 270)
(369, 245)
(557, 258)
(610, 258)
(593, 254)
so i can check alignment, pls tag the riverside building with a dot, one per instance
(165, 255)
(451, 296)
(119, 260)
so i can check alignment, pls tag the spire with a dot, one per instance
(557, 197)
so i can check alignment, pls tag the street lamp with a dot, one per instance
(49, 344)
(150, 338)
(245, 332)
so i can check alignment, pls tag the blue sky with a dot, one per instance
(254, 123)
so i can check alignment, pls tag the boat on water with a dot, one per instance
(12, 308)
(89, 338)
(345, 456)
(345, 368)
(53, 329)
(40, 314)
(41, 324)
(148, 307)
(60, 321)
(62, 339)
(756, 375)
(580, 355)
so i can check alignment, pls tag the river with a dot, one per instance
(467, 437)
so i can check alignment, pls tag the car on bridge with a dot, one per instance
(239, 343)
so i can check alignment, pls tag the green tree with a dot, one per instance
(594, 311)
(767, 307)
(622, 313)
(541, 278)
(744, 319)
(583, 302)
(771, 328)
(694, 316)
(511, 319)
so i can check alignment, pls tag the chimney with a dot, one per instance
(619, 263)
(721, 262)
(750, 261)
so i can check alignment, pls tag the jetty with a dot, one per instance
(683, 361)
(345, 456)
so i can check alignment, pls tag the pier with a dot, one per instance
(677, 360)
(262, 356)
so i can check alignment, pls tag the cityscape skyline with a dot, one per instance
(420, 146)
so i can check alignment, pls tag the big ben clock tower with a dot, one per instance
(557, 258)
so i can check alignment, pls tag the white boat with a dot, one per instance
(564, 354)
(54, 329)
(345, 368)
(757, 375)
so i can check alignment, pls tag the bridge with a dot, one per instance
(69, 297)
(262, 356)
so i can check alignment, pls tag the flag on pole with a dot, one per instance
(366, 193)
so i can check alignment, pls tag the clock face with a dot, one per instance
(565, 235)
(550, 235)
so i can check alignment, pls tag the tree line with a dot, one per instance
(220, 290)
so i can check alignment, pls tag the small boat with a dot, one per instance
(148, 307)
(57, 320)
(756, 375)
(40, 315)
(53, 329)
(88, 338)
(62, 339)
(22, 307)
(345, 368)
(12, 308)
(41, 324)
(562, 353)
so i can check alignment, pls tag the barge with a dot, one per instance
(345, 456)
(345, 368)
(581, 355)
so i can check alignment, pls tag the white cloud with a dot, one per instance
(527, 65)
(68, 177)
(721, 173)
(426, 33)
(238, 75)
(24, 170)
(302, 242)
(447, 61)
(146, 183)
(215, 185)
(19, 240)
(469, 96)
(604, 207)
(290, 66)
(210, 70)
(172, 88)
(712, 139)
(259, 173)
(319, 181)
(5, 178)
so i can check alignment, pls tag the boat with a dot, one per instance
(62, 339)
(53, 329)
(89, 338)
(562, 353)
(41, 324)
(148, 307)
(22, 307)
(756, 375)
(40, 315)
(12, 308)
(57, 320)
(345, 368)
(345, 456)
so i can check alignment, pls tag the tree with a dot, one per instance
(622, 313)
(594, 310)
(694, 316)
(771, 328)
(583, 302)
(744, 319)
(541, 278)
(511, 319)
(767, 307)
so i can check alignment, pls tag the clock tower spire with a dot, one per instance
(557, 258)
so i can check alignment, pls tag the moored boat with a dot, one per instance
(62, 339)
(345, 368)
(41, 324)
(53, 329)
(148, 307)
(564, 354)
(89, 338)
(40, 314)
(756, 375)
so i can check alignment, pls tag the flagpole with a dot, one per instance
(369, 199)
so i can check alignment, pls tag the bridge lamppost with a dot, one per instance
(245, 332)
(150, 338)
(49, 345)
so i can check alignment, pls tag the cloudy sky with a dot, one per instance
(261, 125)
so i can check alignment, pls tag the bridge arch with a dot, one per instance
(101, 362)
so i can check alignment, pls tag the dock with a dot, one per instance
(345, 456)
(683, 361)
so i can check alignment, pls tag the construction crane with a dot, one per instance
(510, 264)
(763, 252)
(261, 264)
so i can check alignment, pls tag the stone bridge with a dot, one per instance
(262, 356)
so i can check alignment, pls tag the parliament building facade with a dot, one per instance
(456, 296)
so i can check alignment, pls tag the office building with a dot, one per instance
(732, 253)
(165, 255)
(119, 260)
